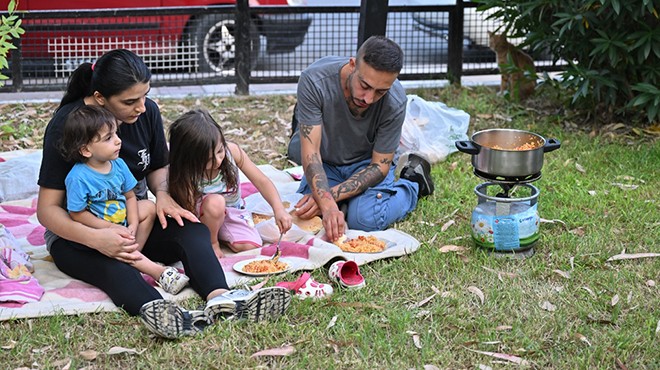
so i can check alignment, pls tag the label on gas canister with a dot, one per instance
(516, 230)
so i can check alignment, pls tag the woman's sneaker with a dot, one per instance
(168, 320)
(219, 307)
(172, 281)
(263, 304)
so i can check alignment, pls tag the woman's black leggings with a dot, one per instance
(124, 284)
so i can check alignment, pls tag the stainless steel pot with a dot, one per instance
(507, 152)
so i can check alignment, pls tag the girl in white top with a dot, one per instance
(204, 179)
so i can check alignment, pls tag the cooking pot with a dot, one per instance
(507, 152)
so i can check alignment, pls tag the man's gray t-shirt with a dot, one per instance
(347, 139)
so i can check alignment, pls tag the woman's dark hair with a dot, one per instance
(193, 138)
(114, 72)
(82, 126)
(381, 54)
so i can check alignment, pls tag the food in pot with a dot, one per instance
(533, 144)
(361, 244)
(265, 267)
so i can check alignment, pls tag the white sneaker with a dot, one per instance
(172, 281)
(219, 307)
(263, 304)
(167, 319)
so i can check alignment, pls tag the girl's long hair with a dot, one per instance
(113, 73)
(193, 139)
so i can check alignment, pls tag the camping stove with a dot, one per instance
(506, 218)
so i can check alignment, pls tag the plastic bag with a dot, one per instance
(270, 232)
(431, 128)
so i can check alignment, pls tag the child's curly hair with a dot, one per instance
(82, 126)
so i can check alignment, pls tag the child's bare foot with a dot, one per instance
(217, 250)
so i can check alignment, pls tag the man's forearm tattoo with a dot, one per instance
(305, 130)
(360, 181)
(316, 177)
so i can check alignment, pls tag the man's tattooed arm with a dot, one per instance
(316, 177)
(369, 176)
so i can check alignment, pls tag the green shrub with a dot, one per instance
(612, 48)
(10, 28)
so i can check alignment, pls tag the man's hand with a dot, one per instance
(307, 208)
(334, 224)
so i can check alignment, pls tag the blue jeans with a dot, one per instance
(379, 206)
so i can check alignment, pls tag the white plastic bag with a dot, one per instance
(431, 128)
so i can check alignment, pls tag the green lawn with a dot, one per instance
(566, 307)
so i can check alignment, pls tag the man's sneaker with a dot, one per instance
(263, 304)
(219, 307)
(418, 169)
(168, 320)
(172, 281)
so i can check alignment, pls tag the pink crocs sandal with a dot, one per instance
(307, 287)
(347, 274)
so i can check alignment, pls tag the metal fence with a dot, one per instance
(228, 44)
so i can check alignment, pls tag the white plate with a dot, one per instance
(238, 267)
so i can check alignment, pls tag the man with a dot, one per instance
(347, 125)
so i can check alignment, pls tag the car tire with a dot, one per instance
(214, 36)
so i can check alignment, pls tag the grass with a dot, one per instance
(605, 313)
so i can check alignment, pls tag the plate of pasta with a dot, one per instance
(363, 244)
(261, 266)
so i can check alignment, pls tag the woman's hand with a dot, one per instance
(166, 207)
(117, 243)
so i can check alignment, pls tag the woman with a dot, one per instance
(119, 82)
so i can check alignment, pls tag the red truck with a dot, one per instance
(197, 42)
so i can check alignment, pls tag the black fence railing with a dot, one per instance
(230, 44)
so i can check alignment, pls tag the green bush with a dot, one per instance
(10, 28)
(612, 48)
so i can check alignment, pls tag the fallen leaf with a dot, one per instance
(89, 354)
(431, 367)
(504, 328)
(433, 238)
(563, 274)
(624, 186)
(583, 338)
(356, 305)
(64, 364)
(453, 166)
(501, 273)
(544, 221)
(572, 262)
(657, 328)
(332, 322)
(591, 318)
(615, 300)
(591, 292)
(476, 291)
(620, 364)
(452, 248)
(484, 367)
(548, 306)
(578, 232)
(415, 338)
(579, 168)
(650, 283)
(592, 193)
(492, 342)
(423, 301)
(279, 351)
(119, 350)
(447, 225)
(11, 345)
(625, 256)
(502, 356)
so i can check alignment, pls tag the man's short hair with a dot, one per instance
(381, 54)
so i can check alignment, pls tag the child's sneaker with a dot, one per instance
(172, 281)
(307, 287)
(347, 274)
(263, 304)
(168, 320)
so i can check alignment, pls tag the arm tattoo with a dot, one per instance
(316, 177)
(360, 181)
(305, 130)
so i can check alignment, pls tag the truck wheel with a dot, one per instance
(216, 43)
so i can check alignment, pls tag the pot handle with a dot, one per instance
(466, 146)
(551, 144)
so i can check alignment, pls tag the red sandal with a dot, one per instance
(307, 287)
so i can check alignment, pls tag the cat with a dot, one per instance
(516, 67)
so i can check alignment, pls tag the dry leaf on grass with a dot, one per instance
(11, 345)
(120, 350)
(89, 355)
(415, 338)
(624, 186)
(657, 328)
(503, 328)
(502, 356)
(563, 274)
(579, 168)
(510, 275)
(476, 291)
(578, 231)
(615, 300)
(631, 256)
(592, 193)
(423, 301)
(356, 305)
(452, 248)
(447, 225)
(279, 351)
(583, 339)
(620, 364)
(548, 306)
(332, 322)
(650, 283)
(591, 292)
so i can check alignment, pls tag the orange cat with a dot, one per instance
(520, 79)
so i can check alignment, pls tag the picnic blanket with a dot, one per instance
(65, 295)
